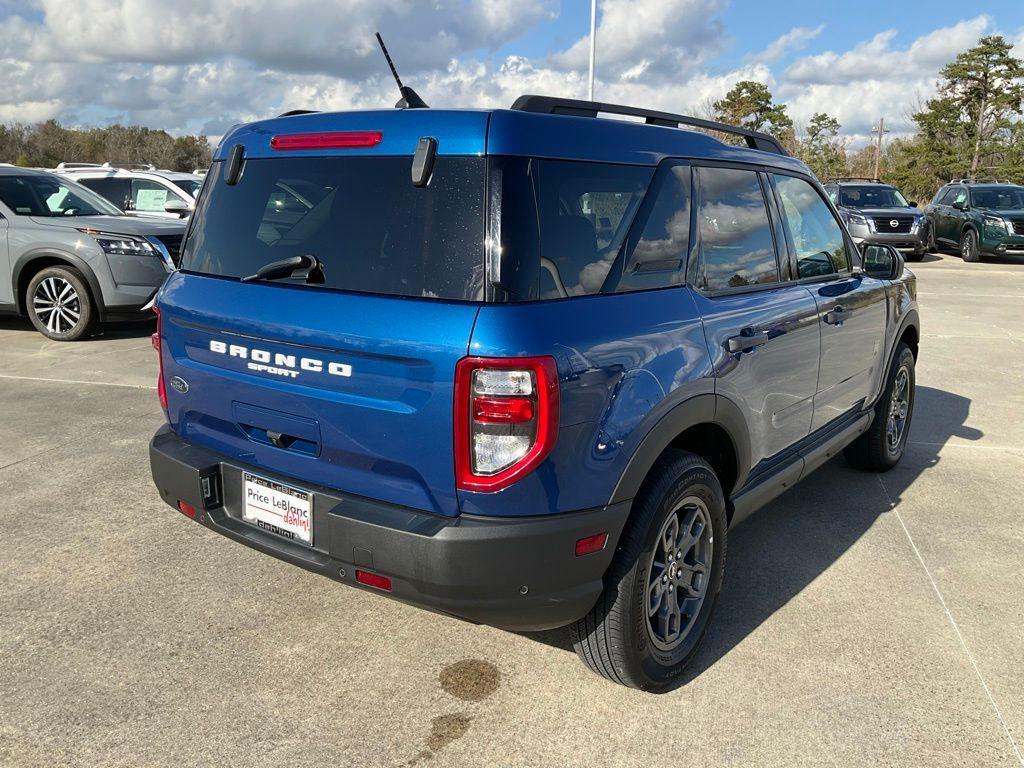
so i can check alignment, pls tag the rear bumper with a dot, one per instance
(472, 567)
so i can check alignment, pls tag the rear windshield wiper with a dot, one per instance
(277, 270)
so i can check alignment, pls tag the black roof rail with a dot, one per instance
(551, 105)
(854, 178)
(298, 112)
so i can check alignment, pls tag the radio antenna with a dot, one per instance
(410, 99)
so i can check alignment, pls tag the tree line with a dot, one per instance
(44, 145)
(972, 128)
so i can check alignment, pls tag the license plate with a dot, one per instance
(280, 509)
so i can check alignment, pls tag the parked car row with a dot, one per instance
(974, 218)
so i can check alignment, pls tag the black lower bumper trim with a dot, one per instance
(519, 573)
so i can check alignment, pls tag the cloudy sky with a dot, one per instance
(203, 65)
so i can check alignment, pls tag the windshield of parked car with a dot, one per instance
(871, 197)
(371, 229)
(39, 195)
(998, 198)
(189, 185)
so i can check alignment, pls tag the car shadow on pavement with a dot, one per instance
(103, 332)
(774, 554)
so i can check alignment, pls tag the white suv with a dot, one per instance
(138, 189)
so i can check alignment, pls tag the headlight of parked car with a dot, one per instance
(856, 218)
(997, 223)
(125, 245)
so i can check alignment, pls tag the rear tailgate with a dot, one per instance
(359, 387)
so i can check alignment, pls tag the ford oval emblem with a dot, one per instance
(179, 384)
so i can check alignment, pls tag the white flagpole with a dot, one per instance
(593, 41)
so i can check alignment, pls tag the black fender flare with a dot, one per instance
(700, 409)
(974, 228)
(910, 320)
(70, 259)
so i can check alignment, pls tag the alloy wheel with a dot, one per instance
(57, 305)
(679, 573)
(899, 409)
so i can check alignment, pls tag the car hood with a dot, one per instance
(1007, 212)
(886, 211)
(123, 225)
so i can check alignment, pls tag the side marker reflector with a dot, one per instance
(590, 544)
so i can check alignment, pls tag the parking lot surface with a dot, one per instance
(865, 620)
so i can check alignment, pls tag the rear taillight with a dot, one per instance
(161, 390)
(506, 419)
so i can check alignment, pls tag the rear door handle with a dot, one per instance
(836, 316)
(744, 341)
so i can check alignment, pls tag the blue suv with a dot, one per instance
(524, 367)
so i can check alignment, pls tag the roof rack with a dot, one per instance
(979, 181)
(856, 178)
(550, 105)
(72, 166)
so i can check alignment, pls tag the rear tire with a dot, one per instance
(658, 600)
(969, 246)
(883, 445)
(59, 305)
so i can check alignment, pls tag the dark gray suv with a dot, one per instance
(70, 259)
(878, 213)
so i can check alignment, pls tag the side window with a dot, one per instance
(150, 196)
(116, 191)
(960, 198)
(833, 194)
(736, 244)
(658, 257)
(816, 236)
(585, 210)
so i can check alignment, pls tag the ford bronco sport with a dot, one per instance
(523, 367)
(978, 219)
(878, 213)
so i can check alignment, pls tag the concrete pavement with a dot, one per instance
(865, 620)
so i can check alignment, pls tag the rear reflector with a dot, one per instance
(336, 140)
(374, 580)
(187, 509)
(589, 544)
(161, 389)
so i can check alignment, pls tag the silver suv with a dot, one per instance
(877, 213)
(70, 259)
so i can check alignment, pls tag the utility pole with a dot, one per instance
(881, 131)
(593, 46)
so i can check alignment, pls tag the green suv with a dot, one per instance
(978, 219)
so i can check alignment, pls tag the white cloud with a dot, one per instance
(878, 59)
(666, 38)
(203, 65)
(794, 40)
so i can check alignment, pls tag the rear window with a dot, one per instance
(373, 231)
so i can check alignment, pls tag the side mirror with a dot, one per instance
(960, 205)
(179, 207)
(882, 261)
(912, 203)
